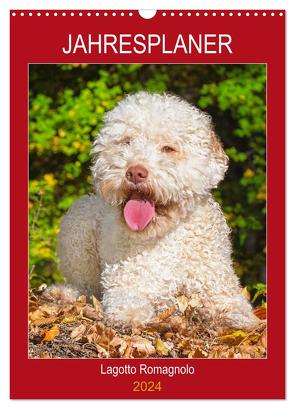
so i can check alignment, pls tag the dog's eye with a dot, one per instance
(168, 149)
(124, 141)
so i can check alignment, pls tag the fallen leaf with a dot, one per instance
(51, 334)
(35, 315)
(142, 347)
(91, 313)
(46, 321)
(233, 338)
(161, 348)
(102, 351)
(197, 353)
(119, 344)
(162, 316)
(82, 299)
(97, 305)
(78, 332)
(168, 335)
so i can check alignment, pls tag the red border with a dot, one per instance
(256, 39)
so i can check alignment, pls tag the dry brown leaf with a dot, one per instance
(49, 310)
(102, 351)
(78, 332)
(97, 305)
(162, 316)
(142, 347)
(90, 313)
(159, 327)
(119, 344)
(35, 315)
(182, 302)
(50, 334)
(197, 353)
(161, 348)
(46, 321)
(128, 352)
(168, 336)
(82, 299)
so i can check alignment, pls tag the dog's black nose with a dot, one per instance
(137, 174)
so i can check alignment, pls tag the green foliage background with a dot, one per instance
(67, 104)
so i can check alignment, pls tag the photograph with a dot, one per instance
(147, 211)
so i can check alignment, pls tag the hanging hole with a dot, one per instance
(147, 14)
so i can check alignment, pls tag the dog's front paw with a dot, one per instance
(126, 307)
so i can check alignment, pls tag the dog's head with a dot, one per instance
(154, 156)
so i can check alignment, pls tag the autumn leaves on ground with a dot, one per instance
(78, 330)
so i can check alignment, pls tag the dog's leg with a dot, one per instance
(127, 306)
(230, 310)
(77, 247)
(132, 290)
(238, 313)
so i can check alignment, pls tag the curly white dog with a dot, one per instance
(154, 228)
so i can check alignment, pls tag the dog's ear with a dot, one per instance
(219, 160)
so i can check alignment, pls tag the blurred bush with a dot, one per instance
(67, 103)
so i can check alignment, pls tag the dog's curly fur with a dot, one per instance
(186, 247)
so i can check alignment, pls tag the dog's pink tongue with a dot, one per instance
(138, 213)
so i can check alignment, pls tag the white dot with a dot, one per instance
(38, 14)
(197, 14)
(255, 14)
(80, 14)
(222, 14)
(46, 14)
(172, 14)
(231, 14)
(114, 14)
(205, 14)
(22, 14)
(55, 14)
(64, 14)
(264, 14)
(281, 14)
(247, 14)
(213, 14)
(164, 14)
(189, 14)
(13, 14)
(180, 14)
(30, 14)
(130, 14)
(97, 14)
(72, 14)
(239, 14)
(272, 14)
(122, 14)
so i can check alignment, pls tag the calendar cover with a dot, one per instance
(147, 204)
